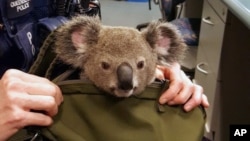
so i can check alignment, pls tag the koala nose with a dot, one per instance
(125, 76)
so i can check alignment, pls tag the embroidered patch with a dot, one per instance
(17, 8)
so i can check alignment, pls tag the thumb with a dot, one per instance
(159, 74)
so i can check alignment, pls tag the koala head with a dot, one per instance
(119, 60)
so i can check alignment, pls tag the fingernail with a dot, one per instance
(187, 108)
(171, 103)
(163, 100)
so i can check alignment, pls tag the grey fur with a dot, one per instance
(100, 50)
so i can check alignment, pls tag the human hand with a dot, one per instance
(22, 94)
(181, 89)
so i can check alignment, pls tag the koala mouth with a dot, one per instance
(123, 93)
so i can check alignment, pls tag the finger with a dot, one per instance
(41, 103)
(44, 89)
(23, 82)
(24, 76)
(39, 89)
(33, 118)
(171, 92)
(186, 92)
(183, 96)
(204, 101)
(164, 71)
(159, 74)
(195, 99)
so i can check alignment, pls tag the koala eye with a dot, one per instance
(105, 65)
(140, 64)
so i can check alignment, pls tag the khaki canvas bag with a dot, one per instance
(89, 114)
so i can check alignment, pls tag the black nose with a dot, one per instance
(125, 76)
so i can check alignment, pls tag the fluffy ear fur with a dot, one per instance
(166, 40)
(75, 37)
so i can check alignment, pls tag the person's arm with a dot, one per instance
(181, 89)
(22, 94)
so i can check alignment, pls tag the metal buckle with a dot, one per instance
(1, 26)
(36, 136)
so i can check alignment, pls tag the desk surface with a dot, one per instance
(241, 9)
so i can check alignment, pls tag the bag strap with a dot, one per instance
(44, 58)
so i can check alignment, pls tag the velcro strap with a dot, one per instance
(17, 8)
(52, 23)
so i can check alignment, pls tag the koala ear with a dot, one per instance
(74, 38)
(166, 40)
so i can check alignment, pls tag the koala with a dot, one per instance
(119, 60)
